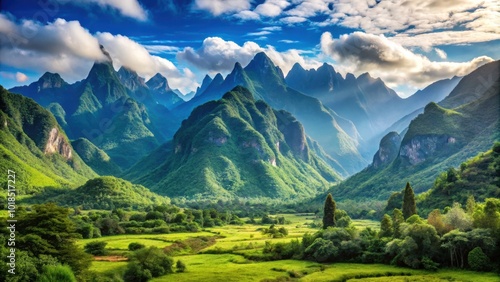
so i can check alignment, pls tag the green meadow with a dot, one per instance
(227, 264)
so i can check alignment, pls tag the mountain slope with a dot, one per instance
(105, 192)
(478, 176)
(336, 135)
(114, 111)
(94, 157)
(437, 139)
(34, 146)
(239, 147)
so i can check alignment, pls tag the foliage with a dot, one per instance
(147, 263)
(478, 260)
(59, 273)
(96, 248)
(135, 246)
(329, 212)
(409, 205)
(386, 229)
(180, 266)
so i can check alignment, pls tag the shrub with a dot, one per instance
(478, 260)
(135, 246)
(181, 267)
(96, 248)
(59, 273)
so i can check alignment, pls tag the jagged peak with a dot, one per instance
(157, 81)
(239, 91)
(51, 80)
(218, 78)
(106, 54)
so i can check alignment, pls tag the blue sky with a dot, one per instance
(408, 46)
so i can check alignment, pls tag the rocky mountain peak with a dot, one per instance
(50, 80)
(158, 82)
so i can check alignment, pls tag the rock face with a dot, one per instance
(422, 147)
(388, 150)
(50, 80)
(56, 143)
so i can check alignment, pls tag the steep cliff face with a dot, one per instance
(388, 150)
(57, 143)
(295, 136)
(423, 146)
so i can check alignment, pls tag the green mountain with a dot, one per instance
(94, 157)
(114, 111)
(478, 176)
(437, 139)
(337, 135)
(34, 146)
(106, 192)
(235, 147)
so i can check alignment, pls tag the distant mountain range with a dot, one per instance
(254, 133)
(465, 123)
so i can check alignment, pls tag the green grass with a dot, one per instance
(234, 267)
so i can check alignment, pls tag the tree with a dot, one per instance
(456, 217)
(470, 205)
(148, 262)
(409, 205)
(386, 229)
(435, 219)
(397, 220)
(329, 212)
(180, 266)
(478, 260)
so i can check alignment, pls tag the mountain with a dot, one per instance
(113, 110)
(104, 193)
(94, 157)
(163, 94)
(235, 147)
(337, 135)
(366, 101)
(437, 139)
(34, 146)
(478, 176)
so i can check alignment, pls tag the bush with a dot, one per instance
(146, 263)
(478, 260)
(181, 267)
(135, 246)
(96, 248)
(59, 273)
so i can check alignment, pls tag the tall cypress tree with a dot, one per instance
(409, 205)
(329, 212)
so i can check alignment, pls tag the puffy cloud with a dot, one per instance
(389, 60)
(21, 77)
(70, 50)
(128, 8)
(219, 55)
(247, 15)
(259, 33)
(271, 8)
(310, 8)
(219, 7)
(61, 46)
(126, 52)
(293, 20)
(18, 76)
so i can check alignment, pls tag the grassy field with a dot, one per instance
(247, 238)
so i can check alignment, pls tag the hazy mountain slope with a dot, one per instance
(94, 157)
(437, 139)
(236, 146)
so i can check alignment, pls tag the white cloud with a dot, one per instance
(247, 15)
(161, 49)
(128, 8)
(219, 7)
(309, 8)
(389, 60)
(126, 52)
(293, 20)
(259, 33)
(219, 55)
(442, 54)
(272, 28)
(70, 50)
(271, 8)
(288, 41)
(21, 77)
(427, 40)
(61, 46)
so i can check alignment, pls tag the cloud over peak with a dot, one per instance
(392, 62)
